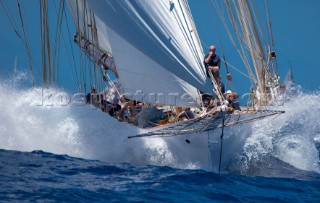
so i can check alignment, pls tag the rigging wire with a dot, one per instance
(47, 57)
(113, 85)
(87, 24)
(25, 35)
(72, 65)
(244, 15)
(10, 17)
(257, 22)
(219, 37)
(252, 41)
(47, 43)
(236, 69)
(269, 28)
(229, 77)
(232, 66)
(42, 25)
(56, 49)
(24, 38)
(241, 50)
(94, 39)
(221, 143)
(80, 48)
(87, 31)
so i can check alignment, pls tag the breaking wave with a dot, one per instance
(52, 121)
(29, 121)
(292, 138)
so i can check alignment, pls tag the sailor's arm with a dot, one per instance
(206, 60)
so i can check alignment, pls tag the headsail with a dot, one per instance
(155, 47)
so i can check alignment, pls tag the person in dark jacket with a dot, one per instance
(212, 63)
(115, 107)
(233, 102)
(186, 114)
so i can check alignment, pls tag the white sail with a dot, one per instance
(82, 18)
(288, 80)
(155, 47)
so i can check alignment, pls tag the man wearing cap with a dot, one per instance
(228, 92)
(232, 100)
(115, 107)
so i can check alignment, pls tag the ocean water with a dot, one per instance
(45, 177)
(52, 151)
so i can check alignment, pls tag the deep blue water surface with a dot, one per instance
(44, 177)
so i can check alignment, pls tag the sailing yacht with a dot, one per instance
(154, 52)
(150, 51)
(289, 82)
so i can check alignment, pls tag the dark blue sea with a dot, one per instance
(44, 177)
(52, 152)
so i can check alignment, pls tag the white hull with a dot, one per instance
(202, 149)
(197, 142)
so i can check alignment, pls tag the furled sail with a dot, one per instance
(82, 20)
(156, 49)
(254, 42)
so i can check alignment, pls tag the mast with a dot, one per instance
(252, 46)
(244, 18)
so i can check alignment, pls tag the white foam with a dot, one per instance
(82, 131)
(29, 124)
(297, 151)
(291, 136)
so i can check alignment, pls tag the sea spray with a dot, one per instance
(289, 137)
(31, 119)
(49, 120)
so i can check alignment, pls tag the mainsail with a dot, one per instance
(155, 47)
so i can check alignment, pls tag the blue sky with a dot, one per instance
(295, 26)
(296, 31)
